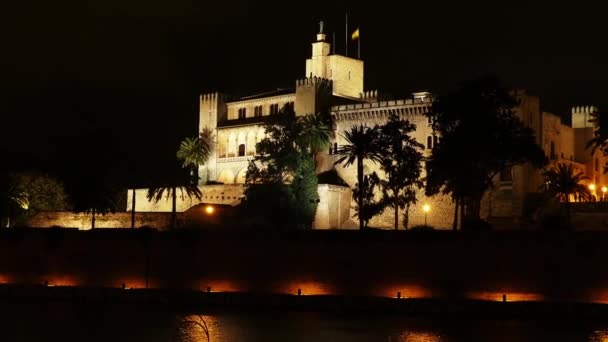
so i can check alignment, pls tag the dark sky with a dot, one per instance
(114, 83)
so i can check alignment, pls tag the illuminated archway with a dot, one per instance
(226, 176)
(241, 176)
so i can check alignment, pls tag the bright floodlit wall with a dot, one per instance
(441, 212)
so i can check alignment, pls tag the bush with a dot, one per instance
(475, 225)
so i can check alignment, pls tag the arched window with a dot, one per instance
(429, 142)
(241, 150)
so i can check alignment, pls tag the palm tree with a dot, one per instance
(190, 190)
(193, 152)
(13, 197)
(315, 133)
(563, 181)
(362, 143)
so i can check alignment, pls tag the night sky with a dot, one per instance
(114, 84)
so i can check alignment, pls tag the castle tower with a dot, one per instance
(212, 111)
(581, 116)
(346, 73)
(313, 95)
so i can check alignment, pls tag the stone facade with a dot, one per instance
(335, 83)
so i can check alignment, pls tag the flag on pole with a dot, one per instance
(355, 34)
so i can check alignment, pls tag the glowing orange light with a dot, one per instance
(511, 296)
(404, 291)
(209, 210)
(307, 288)
(604, 189)
(426, 208)
(592, 187)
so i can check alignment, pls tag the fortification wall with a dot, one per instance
(66, 219)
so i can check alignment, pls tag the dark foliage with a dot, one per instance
(480, 135)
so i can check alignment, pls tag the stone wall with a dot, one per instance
(82, 221)
(333, 209)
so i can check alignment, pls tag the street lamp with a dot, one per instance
(426, 208)
(592, 189)
(209, 210)
(604, 190)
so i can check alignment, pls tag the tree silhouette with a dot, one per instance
(96, 197)
(400, 161)
(281, 183)
(480, 135)
(562, 181)
(315, 133)
(194, 152)
(370, 206)
(170, 190)
(14, 197)
(362, 143)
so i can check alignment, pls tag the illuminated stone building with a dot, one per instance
(336, 83)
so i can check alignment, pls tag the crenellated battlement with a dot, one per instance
(381, 110)
(213, 97)
(581, 116)
(584, 110)
(369, 96)
(313, 81)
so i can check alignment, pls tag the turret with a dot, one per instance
(212, 111)
(581, 116)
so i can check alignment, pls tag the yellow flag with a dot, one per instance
(355, 34)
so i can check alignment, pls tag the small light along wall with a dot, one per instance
(307, 288)
(60, 280)
(132, 284)
(5, 279)
(508, 296)
(216, 285)
(403, 291)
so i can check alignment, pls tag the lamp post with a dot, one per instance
(592, 189)
(426, 208)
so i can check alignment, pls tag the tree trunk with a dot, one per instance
(406, 216)
(455, 224)
(396, 216)
(93, 218)
(568, 209)
(133, 210)
(361, 189)
(174, 208)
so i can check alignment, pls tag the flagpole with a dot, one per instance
(346, 35)
(359, 46)
(333, 41)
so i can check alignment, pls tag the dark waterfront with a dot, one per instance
(67, 322)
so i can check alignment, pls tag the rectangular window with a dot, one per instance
(242, 113)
